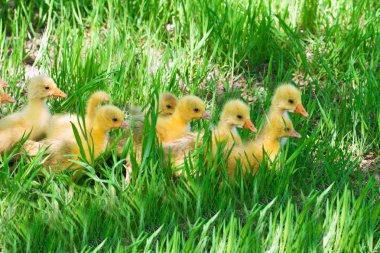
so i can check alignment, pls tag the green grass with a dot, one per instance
(322, 199)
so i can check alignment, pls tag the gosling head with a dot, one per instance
(100, 96)
(236, 113)
(110, 117)
(192, 107)
(280, 127)
(43, 87)
(287, 97)
(167, 103)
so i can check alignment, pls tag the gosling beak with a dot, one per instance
(124, 125)
(58, 94)
(295, 134)
(3, 84)
(206, 115)
(6, 98)
(301, 110)
(249, 125)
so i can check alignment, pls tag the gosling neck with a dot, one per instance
(268, 134)
(276, 109)
(35, 101)
(98, 130)
(279, 111)
(226, 125)
(36, 105)
(98, 135)
(178, 117)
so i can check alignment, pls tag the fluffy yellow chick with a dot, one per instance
(287, 98)
(176, 125)
(166, 107)
(267, 142)
(60, 125)
(277, 127)
(167, 104)
(33, 119)
(3, 96)
(107, 117)
(235, 114)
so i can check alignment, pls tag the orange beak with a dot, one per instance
(124, 125)
(3, 84)
(58, 93)
(249, 125)
(295, 134)
(206, 115)
(6, 98)
(301, 110)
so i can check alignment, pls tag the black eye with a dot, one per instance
(168, 106)
(47, 87)
(114, 119)
(291, 101)
(196, 110)
(239, 116)
(287, 129)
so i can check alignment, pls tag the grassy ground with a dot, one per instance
(324, 197)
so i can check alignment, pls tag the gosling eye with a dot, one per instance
(291, 101)
(239, 116)
(114, 119)
(196, 110)
(287, 129)
(168, 106)
(47, 87)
